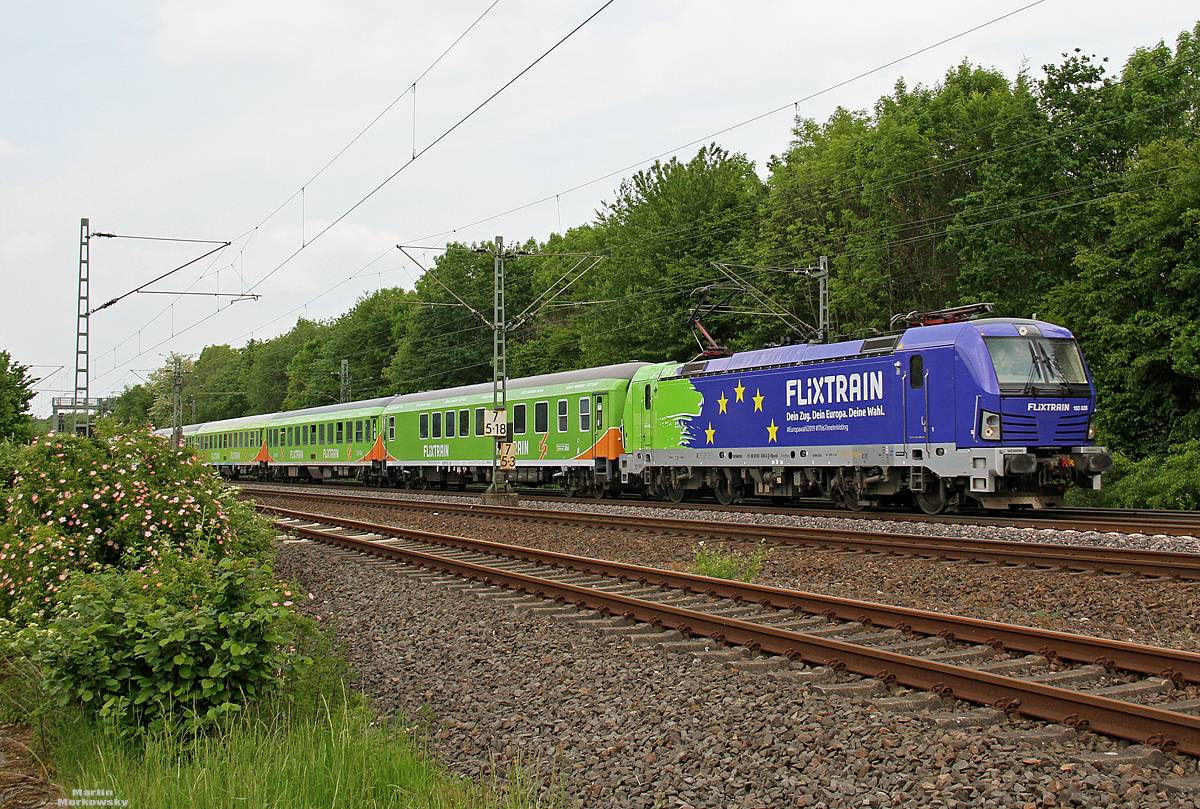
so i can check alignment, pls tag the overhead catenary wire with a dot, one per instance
(436, 141)
(981, 224)
(794, 104)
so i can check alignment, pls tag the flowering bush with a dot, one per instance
(127, 577)
(121, 501)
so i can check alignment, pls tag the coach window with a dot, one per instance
(585, 415)
(479, 421)
(563, 423)
(424, 426)
(916, 371)
(599, 413)
(464, 423)
(541, 417)
(519, 419)
(391, 428)
(321, 433)
(312, 434)
(358, 431)
(437, 425)
(339, 434)
(449, 423)
(303, 435)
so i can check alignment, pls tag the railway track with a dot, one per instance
(1183, 566)
(1122, 689)
(1100, 520)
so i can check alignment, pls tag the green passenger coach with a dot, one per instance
(567, 428)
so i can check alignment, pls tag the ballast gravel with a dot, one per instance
(1127, 608)
(603, 722)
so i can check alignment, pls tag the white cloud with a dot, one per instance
(7, 149)
(189, 31)
(24, 246)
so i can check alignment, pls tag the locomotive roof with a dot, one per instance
(912, 338)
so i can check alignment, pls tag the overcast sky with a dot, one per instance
(204, 119)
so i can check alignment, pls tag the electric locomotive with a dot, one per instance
(997, 412)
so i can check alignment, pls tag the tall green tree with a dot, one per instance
(659, 237)
(1135, 303)
(442, 344)
(16, 392)
(132, 406)
(265, 366)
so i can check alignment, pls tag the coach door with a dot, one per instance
(597, 420)
(916, 407)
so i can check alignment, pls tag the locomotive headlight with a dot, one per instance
(1091, 433)
(989, 426)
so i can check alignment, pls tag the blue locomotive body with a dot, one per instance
(998, 411)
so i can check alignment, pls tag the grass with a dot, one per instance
(335, 759)
(722, 564)
(314, 744)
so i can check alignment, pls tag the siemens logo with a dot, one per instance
(840, 388)
(1055, 406)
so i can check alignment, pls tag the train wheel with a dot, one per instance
(932, 502)
(675, 493)
(851, 500)
(568, 491)
(726, 490)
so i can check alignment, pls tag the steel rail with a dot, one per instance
(1170, 663)
(1126, 521)
(1149, 563)
(1165, 729)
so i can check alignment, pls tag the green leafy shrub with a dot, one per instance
(720, 564)
(1170, 481)
(187, 642)
(122, 501)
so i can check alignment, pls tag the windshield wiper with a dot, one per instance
(1034, 369)
(1051, 364)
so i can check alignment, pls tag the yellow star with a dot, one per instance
(771, 432)
(710, 432)
(757, 399)
(722, 402)
(739, 390)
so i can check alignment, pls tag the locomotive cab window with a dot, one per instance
(563, 416)
(541, 417)
(519, 419)
(1025, 363)
(916, 371)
